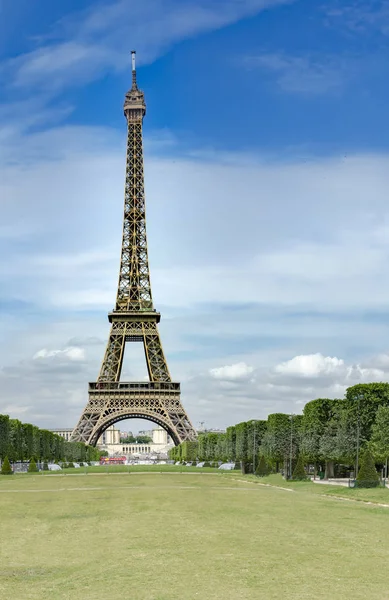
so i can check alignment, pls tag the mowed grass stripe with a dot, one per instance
(166, 543)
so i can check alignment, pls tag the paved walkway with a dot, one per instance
(343, 482)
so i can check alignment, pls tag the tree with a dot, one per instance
(363, 400)
(276, 440)
(255, 430)
(28, 439)
(231, 443)
(299, 473)
(220, 449)
(4, 435)
(6, 467)
(15, 440)
(379, 442)
(338, 441)
(32, 468)
(241, 445)
(140, 439)
(189, 451)
(262, 469)
(367, 476)
(202, 450)
(316, 416)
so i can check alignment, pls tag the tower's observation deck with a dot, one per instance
(134, 318)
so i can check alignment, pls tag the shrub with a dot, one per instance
(262, 469)
(299, 473)
(367, 476)
(32, 468)
(70, 465)
(237, 466)
(6, 468)
(206, 464)
(45, 466)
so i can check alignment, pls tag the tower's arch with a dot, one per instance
(112, 420)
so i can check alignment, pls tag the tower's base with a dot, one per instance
(110, 402)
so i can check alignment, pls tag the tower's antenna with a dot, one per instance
(133, 53)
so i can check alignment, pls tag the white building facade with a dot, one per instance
(110, 442)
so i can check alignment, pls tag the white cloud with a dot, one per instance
(310, 365)
(71, 353)
(331, 367)
(304, 74)
(291, 250)
(360, 16)
(87, 44)
(237, 371)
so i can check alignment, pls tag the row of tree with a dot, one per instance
(22, 441)
(141, 439)
(329, 433)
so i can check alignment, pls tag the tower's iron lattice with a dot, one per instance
(134, 318)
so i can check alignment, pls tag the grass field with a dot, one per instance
(181, 537)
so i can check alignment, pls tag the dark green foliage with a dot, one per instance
(19, 441)
(206, 464)
(15, 440)
(221, 447)
(45, 466)
(241, 441)
(326, 434)
(32, 468)
(367, 476)
(262, 469)
(380, 434)
(6, 467)
(230, 443)
(369, 397)
(255, 431)
(141, 439)
(299, 473)
(316, 417)
(70, 465)
(189, 451)
(4, 435)
(276, 440)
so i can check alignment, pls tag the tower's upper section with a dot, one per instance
(134, 103)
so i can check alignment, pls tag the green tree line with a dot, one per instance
(326, 435)
(22, 441)
(141, 439)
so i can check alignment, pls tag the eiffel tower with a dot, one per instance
(134, 318)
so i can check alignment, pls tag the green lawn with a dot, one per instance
(377, 495)
(182, 537)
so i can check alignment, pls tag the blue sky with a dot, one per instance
(266, 153)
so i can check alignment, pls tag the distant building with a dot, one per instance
(110, 435)
(110, 441)
(210, 430)
(161, 444)
(146, 433)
